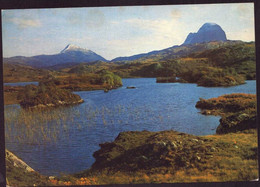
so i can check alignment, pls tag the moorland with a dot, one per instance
(144, 156)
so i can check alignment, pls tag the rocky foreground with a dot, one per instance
(171, 156)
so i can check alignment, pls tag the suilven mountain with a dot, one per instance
(207, 33)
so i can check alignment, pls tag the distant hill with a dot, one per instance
(23, 73)
(134, 57)
(70, 54)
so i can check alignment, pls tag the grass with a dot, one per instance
(37, 126)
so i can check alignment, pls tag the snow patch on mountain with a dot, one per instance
(71, 47)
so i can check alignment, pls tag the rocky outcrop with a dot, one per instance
(17, 162)
(207, 33)
(152, 152)
(177, 155)
(236, 122)
(237, 111)
(18, 173)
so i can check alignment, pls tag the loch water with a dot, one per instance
(150, 106)
(20, 83)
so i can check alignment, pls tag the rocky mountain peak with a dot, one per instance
(71, 47)
(208, 32)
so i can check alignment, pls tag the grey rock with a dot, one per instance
(207, 33)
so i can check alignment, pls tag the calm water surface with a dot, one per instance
(102, 116)
(20, 83)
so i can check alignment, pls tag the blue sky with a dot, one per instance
(118, 31)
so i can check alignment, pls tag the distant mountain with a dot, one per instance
(70, 54)
(207, 33)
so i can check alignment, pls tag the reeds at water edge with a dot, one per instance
(43, 126)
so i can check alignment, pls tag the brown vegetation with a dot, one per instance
(45, 95)
(238, 111)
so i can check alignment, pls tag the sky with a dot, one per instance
(118, 31)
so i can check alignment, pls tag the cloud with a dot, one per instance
(170, 29)
(155, 35)
(245, 11)
(93, 18)
(176, 14)
(244, 35)
(74, 19)
(244, 8)
(80, 40)
(25, 22)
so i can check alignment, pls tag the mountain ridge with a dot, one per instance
(70, 54)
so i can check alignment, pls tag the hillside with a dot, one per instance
(22, 73)
(209, 64)
(174, 52)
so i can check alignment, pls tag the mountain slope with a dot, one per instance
(70, 54)
(175, 52)
(23, 73)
